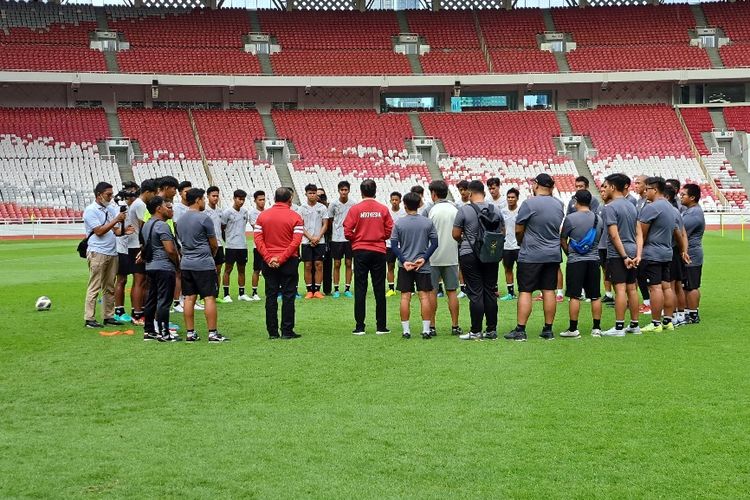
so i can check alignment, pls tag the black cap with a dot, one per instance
(545, 180)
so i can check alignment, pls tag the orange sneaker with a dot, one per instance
(318, 295)
(309, 295)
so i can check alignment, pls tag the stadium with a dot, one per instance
(258, 95)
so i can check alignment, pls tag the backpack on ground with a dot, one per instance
(488, 247)
(585, 244)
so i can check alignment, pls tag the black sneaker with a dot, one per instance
(192, 337)
(406, 335)
(171, 337)
(433, 332)
(217, 337)
(516, 335)
(490, 335)
(608, 300)
(93, 324)
(547, 335)
(152, 336)
(456, 330)
(426, 335)
(274, 336)
(113, 322)
(290, 336)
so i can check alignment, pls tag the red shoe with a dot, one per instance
(319, 295)
(559, 298)
(644, 309)
(309, 295)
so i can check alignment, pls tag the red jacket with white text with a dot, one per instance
(368, 225)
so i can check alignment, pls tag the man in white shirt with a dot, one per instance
(495, 198)
(510, 250)
(397, 211)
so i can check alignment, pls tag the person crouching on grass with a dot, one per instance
(413, 242)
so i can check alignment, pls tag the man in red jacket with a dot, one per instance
(368, 225)
(278, 234)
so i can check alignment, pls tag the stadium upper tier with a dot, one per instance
(36, 36)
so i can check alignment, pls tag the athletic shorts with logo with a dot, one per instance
(408, 280)
(692, 278)
(618, 273)
(537, 276)
(653, 273)
(203, 283)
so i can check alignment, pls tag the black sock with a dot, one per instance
(440, 288)
(597, 324)
(346, 288)
(666, 320)
(309, 288)
(693, 314)
(656, 322)
(521, 328)
(573, 326)
(176, 303)
(335, 288)
(548, 327)
(242, 290)
(190, 332)
(120, 310)
(226, 291)
(255, 290)
(212, 332)
(391, 286)
(463, 288)
(619, 325)
(633, 324)
(511, 289)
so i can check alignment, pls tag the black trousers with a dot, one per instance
(327, 270)
(158, 301)
(367, 262)
(481, 282)
(281, 280)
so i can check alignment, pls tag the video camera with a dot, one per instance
(129, 190)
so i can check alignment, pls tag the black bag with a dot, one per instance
(488, 247)
(83, 246)
(147, 250)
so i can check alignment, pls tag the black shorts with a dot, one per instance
(136, 268)
(313, 253)
(653, 273)
(617, 273)
(692, 278)
(257, 260)
(203, 283)
(603, 258)
(583, 277)
(341, 250)
(390, 257)
(219, 257)
(407, 280)
(510, 257)
(537, 276)
(236, 256)
(124, 265)
(676, 267)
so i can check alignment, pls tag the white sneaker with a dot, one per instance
(471, 336)
(461, 295)
(256, 297)
(359, 333)
(596, 332)
(227, 300)
(613, 332)
(199, 307)
(575, 334)
(178, 309)
(635, 330)
(245, 298)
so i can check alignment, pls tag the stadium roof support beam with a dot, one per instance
(611, 3)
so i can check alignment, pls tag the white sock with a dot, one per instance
(405, 326)
(425, 325)
(608, 294)
(647, 302)
(559, 292)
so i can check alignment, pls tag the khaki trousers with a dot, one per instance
(102, 273)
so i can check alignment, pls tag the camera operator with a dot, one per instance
(124, 200)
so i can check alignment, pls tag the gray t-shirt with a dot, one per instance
(215, 215)
(312, 218)
(605, 235)
(254, 213)
(136, 216)
(395, 216)
(657, 246)
(575, 227)
(158, 232)
(695, 226)
(542, 216)
(412, 234)
(235, 222)
(178, 210)
(640, 203)
(195, 228)
(337, 211)
(467, 220)
(572, 205)
(621, 213)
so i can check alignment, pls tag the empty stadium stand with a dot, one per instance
(228, 134)
(163, 134)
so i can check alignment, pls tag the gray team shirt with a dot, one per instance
(412, 234)
(395, 216)
(195, 228)
(695, 226)
(575, 227)
(467, 220)
(509, 217)
(178, 210)
(660, 214)
(136, 216)
(621, 213)
(312, 218)
(542, 216)
(158, 231)
(215, 215)
(572, 205)
(236, 224)
(337, 211)
(605, 235)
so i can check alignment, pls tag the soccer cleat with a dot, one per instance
(297, 296)
(669, 327)
(635, 330)
(359, 332)
(93, 324)
(608, 300)
(308, 295)
(426, 335)
(596, 333)
(112, 322)
(547, 335)
(575, 334)
(171, 337)
(274, 336)
(507, 297)
(461, 295)
(178, 308)
(384, 331)
(199, 307)
(456, 330)
(227, 299)
(192, 337)
(256, 297)
(139, 321)
(152, 336)
(471, 336)
(516, 335)
(290, 336)
(644, 309)
(613, 332)
(693, 320)
(217, 337)
(125, 318)
(433, 332)
(491, 335)
(244, 298)
(406, 335)
(348, 294)
(652, 328)
(319, 295)
(390, 293)
(336, 294)
(559, 298)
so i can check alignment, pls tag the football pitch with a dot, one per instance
(334, 415)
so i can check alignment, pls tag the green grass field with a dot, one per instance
(333, 415)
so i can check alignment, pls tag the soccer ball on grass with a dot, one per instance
(43, 303)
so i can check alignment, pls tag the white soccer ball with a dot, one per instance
(43, 303)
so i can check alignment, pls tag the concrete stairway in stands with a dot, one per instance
(560, 57)
(432, 166)
(279, 162)
(264, 59)
(700, 20)
(110, 58)
(717, 117)
(123, 161)
(403, 26)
